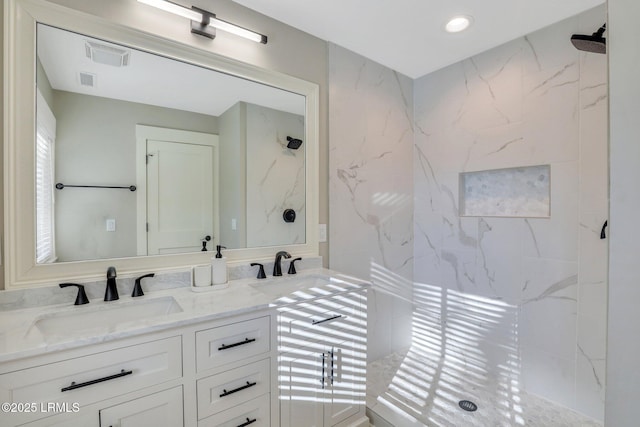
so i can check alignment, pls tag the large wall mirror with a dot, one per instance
(130, 150)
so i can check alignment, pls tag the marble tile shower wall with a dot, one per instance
(371, 190)
(533, 101)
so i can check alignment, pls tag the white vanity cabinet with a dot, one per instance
(217, 373)
(322, 362)
(234, 370)
(79, 382)
(162, 409)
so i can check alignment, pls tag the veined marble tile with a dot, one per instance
(497, 147)
(459, 233)
(270, 165)
(594, 148)
(548, 375)
(550, 47)
(549, 306)
(493, 81)
(557, 236)
(590, 385)
(371, 188)
(499, 259)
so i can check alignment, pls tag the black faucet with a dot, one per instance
(111, 292)
(137, 288)
(277, 268)
(81, 298)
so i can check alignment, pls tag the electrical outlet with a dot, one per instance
(111, 225)
(322, 233)
(234, 224)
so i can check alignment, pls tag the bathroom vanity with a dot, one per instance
(285, 351)
(239, 356)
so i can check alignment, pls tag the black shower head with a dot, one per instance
(594, 43)
(294, 143)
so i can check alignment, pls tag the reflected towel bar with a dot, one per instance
(60, 186)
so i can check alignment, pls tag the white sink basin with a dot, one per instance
(103, 318)
(279, 287)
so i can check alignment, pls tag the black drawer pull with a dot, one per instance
(74, 386)
(328, 319)
(248, 422)
(226, 347)
(227, 393)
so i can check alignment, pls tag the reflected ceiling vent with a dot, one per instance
(107, 55)
(87, 79)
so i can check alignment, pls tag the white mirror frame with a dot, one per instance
(21, 270)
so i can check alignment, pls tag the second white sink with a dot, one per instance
(279, 287)
(103, 318)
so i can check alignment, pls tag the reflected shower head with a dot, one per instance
(594, 43)
(294, 143)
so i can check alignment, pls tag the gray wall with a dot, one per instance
(43, 83)
(96, 145)
(233, 148)
(623, 375)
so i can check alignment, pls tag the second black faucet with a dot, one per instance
(277, 267)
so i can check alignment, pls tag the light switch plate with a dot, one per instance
(322, 233)
(111, 225)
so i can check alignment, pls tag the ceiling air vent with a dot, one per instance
(107, 55)
(87, 79)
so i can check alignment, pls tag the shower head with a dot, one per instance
(594, 43)
(294, 143)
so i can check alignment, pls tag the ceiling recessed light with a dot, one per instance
(458, 23)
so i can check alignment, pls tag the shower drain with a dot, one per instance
(468, 405)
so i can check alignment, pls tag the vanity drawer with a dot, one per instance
(96, 377)
(254, 413)
(225, 344)
(233, 387)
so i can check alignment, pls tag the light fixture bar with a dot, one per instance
(238, 31)
(202, 20)
(167, 6)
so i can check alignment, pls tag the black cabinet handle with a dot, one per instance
(226, 347)
(74, 386)
(328, 319)
(248, 422)
(235, 390)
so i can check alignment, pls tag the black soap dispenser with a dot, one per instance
(219, 267)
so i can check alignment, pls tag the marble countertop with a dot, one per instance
(21, 333)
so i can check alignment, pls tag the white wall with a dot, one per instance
(623, 375)
(538, 286)
(371, 191)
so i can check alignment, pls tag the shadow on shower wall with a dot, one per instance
(464, 347)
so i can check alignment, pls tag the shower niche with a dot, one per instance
(512, 192)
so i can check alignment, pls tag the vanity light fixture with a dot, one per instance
(204, 23)
(458, 23)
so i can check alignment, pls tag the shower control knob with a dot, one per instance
(289, 215)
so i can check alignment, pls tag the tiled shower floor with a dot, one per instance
(417, 389)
